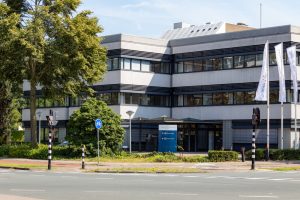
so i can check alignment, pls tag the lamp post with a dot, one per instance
(39, 115)
(129, 113)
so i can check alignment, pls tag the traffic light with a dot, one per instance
(256, 117)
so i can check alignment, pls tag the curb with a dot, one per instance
(18, 168)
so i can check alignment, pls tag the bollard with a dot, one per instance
(253, 149)
(243, 154)
(49, 150)
(82, 164)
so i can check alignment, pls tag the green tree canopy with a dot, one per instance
(55, 47)
(81, 127)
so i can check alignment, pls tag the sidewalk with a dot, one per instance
(75, 166)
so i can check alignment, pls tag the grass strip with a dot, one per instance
(286, 169)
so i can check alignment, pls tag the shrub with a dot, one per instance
(221, 156)
(195, 159)
(259, 154)
(4, 149)
(41, 152)
(19, 151)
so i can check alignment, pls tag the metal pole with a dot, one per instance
(129, 134)
(281, 131)
(268, 106)
(253, 149)
(296, 134)
(39, 128)
(83, 150)
(260, 15)
(50, 148)
(98, 151)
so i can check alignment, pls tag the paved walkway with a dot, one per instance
(60, 165)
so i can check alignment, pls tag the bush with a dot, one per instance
(195, 159)
(41, 152)
(221, 156)
(259, 154)
(4, 149)
(19, 151)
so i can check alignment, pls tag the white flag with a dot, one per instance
(291, 52)
(261, 92)
(280, 64)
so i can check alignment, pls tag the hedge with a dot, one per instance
(275, 154)
(221, 156)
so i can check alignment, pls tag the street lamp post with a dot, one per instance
(39, 115)
(129, 113)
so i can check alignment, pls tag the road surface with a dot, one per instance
(28, 185)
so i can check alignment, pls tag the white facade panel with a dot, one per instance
(243, 75)
(113, 45)
(61, 113)
(145, 78)
(111, 77)
(145, 112)
(235, 112)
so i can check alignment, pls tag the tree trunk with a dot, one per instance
(33, 106)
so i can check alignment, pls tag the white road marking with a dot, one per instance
(100, 191)
(104, 178)
(26, 190)
(279, 179)
(256, 178)
(179, 194)
(170, 175)
(68, 177)
(253, 196)
(191, 176)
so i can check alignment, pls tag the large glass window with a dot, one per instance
(249, 97)
(145, 66)
(48, 102)
(239, 98)
(259, 59)
(115, 64)
(188, 100)
(227, 62)
(136, 98)
(179, 67)
(250, 60)
(188, 66)
(127, 97)
(114, 98)
(228, 98)
(136, 65)
(207, 99)
(273, 59)
(274, 96)
(178, 100)
(198, 65)
(127, 62)
(74, 101)
(208, 65)
(238, 61)
(109, 64)
(155, 67)
(145, 100)
(165, 68)
(40, 102)
(218, 98)
(217, 63)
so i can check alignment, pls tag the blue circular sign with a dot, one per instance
(98, 123)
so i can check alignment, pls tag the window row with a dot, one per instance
(224, 98)
(138, 65)
(228, 62)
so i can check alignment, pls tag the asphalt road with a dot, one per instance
(207, 186)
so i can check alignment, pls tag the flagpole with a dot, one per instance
(268, 106)
(296, 135)
(281, 131)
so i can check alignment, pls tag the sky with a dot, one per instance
(152, 18)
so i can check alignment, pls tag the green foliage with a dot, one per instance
(4, 150)
(221, 156)
(275, 154)
(19, 151)
(82, 129)
(51, 44)
(17, 136)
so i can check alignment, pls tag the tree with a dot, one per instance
(59, 49)
(9, 90)
(81, 126)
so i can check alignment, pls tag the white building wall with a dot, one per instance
(144, 111)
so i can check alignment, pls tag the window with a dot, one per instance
(127, 63)
(155, 67)
(239, 98)
(145, 100)
(250, 60)
(74, 101)
(114, 98)
(259, 59)
(178, 100)
(115, 64)
(145, 66)
(197, 99)
(273, 59)
(249, 97)
(188, 100)
(228, 98)
(217, 63)
(127, 97)
(40, 102)
(274, 96)
(188, 66)
(165, 68)
(238, 61)
(198, 66)
(208, 65)
(135, 98)
(207, 99)
(136, 65)
(109, 64)
(218, 98)
(227, 62)
(179, 67)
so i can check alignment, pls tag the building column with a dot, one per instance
(227, 134)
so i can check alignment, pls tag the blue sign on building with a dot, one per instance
(167, 138)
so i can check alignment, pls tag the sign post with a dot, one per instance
(98, 125)
(167, 138)
(255, 124)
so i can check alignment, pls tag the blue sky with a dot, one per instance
(153, 17)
